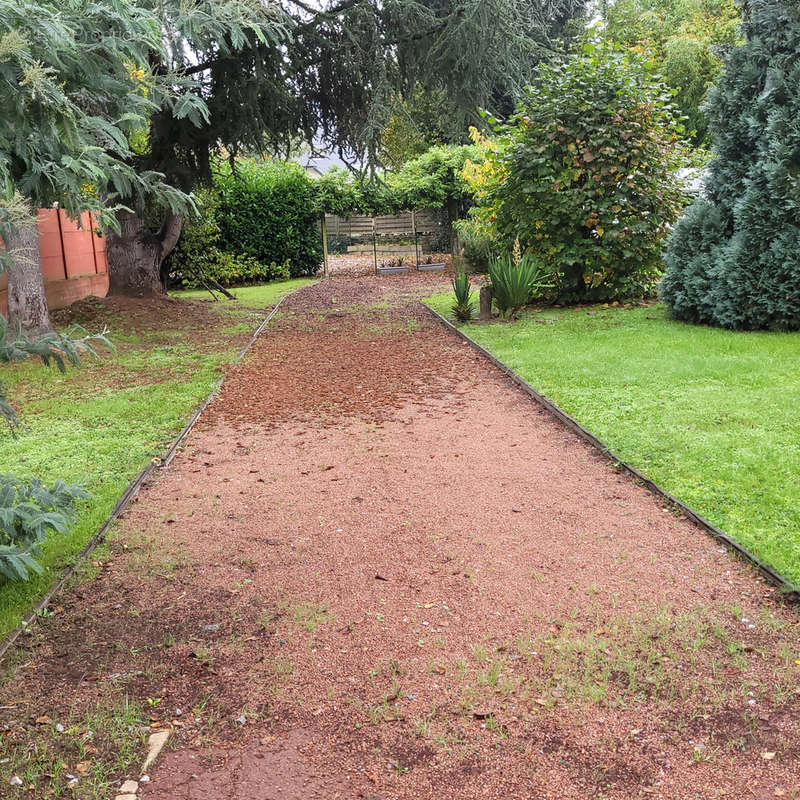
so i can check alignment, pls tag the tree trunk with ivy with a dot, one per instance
(27, 303)
(136, 255)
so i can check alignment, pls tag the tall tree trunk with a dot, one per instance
(135, 255)
(27, 303)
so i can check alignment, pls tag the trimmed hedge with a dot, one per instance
(268, 211)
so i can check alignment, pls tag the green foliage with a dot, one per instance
(464, 306)
(7, 413)
(734, 258)
(198, 255)
(432, 179)
(477, 246)
(682, 40)
(331, 71)
(267, 211)
(416, 124)
(74, 84)
(585, 174)
(29, 512)
(468, 53)
(515, 280)
(50, 348)
(234, 269)
(337, 192)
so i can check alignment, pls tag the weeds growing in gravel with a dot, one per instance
(82, 756)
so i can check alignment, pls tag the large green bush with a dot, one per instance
(435, 180)
(201, 253)
(268, 211)
(585, 174)
(734, 258)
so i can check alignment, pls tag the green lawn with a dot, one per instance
(259, 296)
(710, 415)
(103, 422)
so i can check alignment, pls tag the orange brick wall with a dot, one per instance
(74, 263)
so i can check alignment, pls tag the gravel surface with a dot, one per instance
(351, 264)
(386, 573)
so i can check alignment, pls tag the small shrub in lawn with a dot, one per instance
(29, 512)
(586, 175)
(464, 306)
(516, 279)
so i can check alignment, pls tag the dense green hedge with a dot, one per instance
(268, 211)
(255, 225)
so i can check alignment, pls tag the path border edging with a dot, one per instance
(789, 590)
(134, 486)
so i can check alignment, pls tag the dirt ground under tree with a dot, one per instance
(379, 570)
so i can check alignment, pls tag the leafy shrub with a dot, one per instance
(29, 512)
(585, 174)
(199, 255)
(515, 280)
(239, 270)
(198, 249)
(433, 179)
(734, 259)
(476, 246)
(268, 211)
(464, 306)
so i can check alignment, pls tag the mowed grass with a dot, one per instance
(710, 415)
(259, 296)
(102, 423)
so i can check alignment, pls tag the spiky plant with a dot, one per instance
(515, 279)
(464, 306)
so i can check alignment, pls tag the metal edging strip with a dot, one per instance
(789, 590)
(134, 486)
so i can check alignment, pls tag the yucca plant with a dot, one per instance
(464, 306)
(29, 512)
(515, 279)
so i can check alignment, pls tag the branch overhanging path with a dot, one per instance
(380, 570)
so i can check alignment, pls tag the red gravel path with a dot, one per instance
(419, 585)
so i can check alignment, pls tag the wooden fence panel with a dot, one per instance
(52, 252)
(397, 225)
(78, 247)
(74, 261)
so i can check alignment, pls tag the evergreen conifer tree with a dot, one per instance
(734, 258)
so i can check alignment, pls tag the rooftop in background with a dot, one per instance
(317, 166)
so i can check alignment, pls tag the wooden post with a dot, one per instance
(325, 247)
(416, 237)
(486, 303)
(374, 246)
